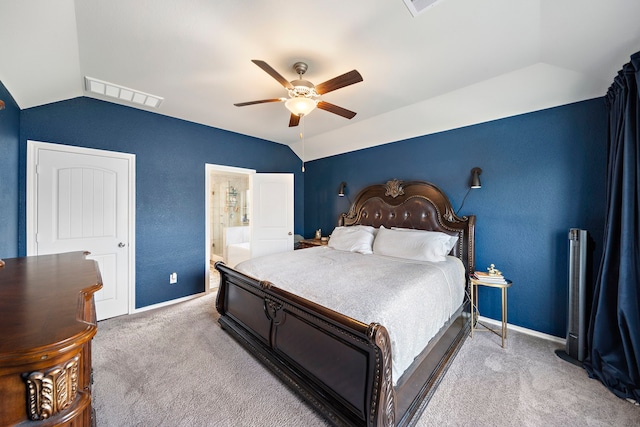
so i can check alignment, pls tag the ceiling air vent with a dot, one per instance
(416, 7)
(122, 93)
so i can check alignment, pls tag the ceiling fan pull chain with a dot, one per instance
(302, 138)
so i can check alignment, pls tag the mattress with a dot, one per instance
(411, 299)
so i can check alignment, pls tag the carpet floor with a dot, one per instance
(175, 366)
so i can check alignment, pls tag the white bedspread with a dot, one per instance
(412, 299)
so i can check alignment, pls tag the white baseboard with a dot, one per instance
(531, 332)
(167, 303)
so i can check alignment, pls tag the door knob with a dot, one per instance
(290, 233)
(121, 245)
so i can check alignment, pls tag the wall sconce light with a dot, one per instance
(475, 177)
(1, 104)
(341, 190)
(475, 183)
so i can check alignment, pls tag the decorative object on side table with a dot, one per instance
(492, 278)
(492, 275)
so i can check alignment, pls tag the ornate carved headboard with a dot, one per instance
(415, 204)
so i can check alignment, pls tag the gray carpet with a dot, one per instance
(174, 366)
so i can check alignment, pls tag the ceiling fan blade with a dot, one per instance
(273, 73)
(294, 120)
(332, 108)
(339, 82)
(262, 101)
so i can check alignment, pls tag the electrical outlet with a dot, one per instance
(173, 278)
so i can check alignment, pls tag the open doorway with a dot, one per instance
(247, 214)
(227, 217)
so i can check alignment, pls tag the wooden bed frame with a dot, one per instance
(340, 366)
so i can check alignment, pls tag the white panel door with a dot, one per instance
(272, 213)
(82, 204)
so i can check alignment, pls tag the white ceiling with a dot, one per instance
(460, 62)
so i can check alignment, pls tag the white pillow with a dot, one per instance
(417, 245)
(367, 228)
(352, 239)
(449, 244)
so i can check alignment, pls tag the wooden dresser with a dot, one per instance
(47, 322)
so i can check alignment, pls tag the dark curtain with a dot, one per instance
(614, 328)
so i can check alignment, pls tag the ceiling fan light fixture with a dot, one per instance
(304, 96)
(300, 105)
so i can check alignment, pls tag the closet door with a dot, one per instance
(81, 201)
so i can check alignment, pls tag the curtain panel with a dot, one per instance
(613, 353)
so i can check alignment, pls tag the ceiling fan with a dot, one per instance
(304, 95)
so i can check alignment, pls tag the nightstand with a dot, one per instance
(474, 306)
(310, 243)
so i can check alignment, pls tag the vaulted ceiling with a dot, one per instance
(458, 63)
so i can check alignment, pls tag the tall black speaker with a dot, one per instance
(576, 345)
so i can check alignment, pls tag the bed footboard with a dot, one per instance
(340, 366)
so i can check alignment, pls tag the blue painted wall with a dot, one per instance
(543, 173)
(9, 141)
(170, 180)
